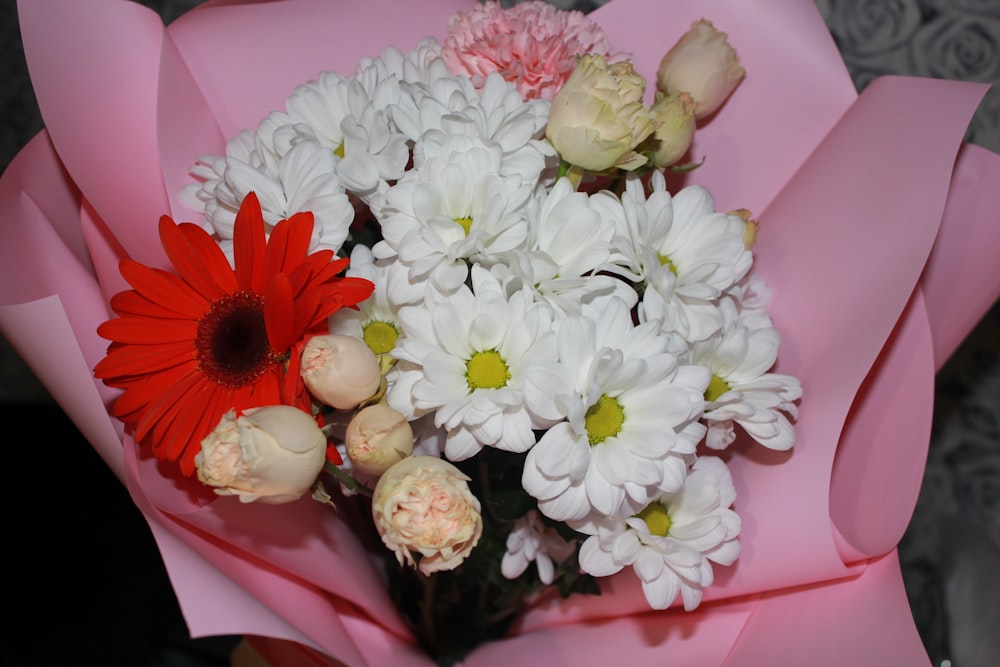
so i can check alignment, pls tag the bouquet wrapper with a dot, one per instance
(878, 237)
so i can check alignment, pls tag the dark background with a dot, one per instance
(85, 584)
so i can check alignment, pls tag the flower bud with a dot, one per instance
(676, 125)
(340, 370)
(423, 505)
(273, 454)
(598, 118)
(703, 64)
(377, 437)
(750, 232)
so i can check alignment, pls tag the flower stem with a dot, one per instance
(348, 481)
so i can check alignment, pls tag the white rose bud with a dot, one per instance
(340, 370)
(675, 114)
(702, 64)
(377, 437)
(423, 505)
(598, 118)
(273, 454)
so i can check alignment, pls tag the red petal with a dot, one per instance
(148, 332)
(211, 254)
(279, 313)
(145, 359)
(132, 303)
(192, 260)
(288, 244)
(249, 245)
(162, 287)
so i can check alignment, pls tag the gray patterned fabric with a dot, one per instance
(951, 552)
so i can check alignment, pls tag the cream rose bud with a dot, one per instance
(598, 118)
(340, 370)
(423, 505)
(377, 437)
(703, 64)
(675, 130)
(273, 454)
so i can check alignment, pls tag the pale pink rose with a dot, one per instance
(423, 505)
(340, 370)
(272, 454)
(598, 118)
(703, 64)
(675, 128)
(377, 437)
(532, 44)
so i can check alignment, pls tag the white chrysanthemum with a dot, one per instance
(532, 541)
(209, 170)
(421, 65)
(349, 115)
(672, 543)
(631, 415)
(568, 241)
(303, 180)
(742, 391)
(375, 320)
(445, 107)
(684, 251)
(464, 358)
(453, 207)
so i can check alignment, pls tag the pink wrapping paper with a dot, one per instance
(866, 251)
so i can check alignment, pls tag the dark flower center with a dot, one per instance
(232, 344)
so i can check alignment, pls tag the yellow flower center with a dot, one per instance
(665, 261)
(657, 519)
(717, 387)
(604, 419)
(487, 370)
(339, 151)
(380, 336)
(464, 223)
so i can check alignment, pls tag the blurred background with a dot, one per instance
(88, 586)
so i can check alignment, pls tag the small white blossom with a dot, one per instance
(684, 251)
(631, 418)
(532, 541)
(672, 543)
(464, 358)
(743, 391)
(451, 209)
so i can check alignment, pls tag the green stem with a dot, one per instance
(348, 481)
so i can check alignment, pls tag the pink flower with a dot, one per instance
(532, 44)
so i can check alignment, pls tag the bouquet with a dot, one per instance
(468, 336)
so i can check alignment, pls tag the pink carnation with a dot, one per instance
(532, 44)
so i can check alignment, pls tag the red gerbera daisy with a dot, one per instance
(186, 348)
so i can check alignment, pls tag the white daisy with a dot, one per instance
(423, 64)
(568, 241)
(464, 358)
(532, 541)
(453, 207)
(303, 180)
(672, 543)
(375, 320)
(631, 418)
(742, 391)
(349, 115)
(684, 252)
(436, 110)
